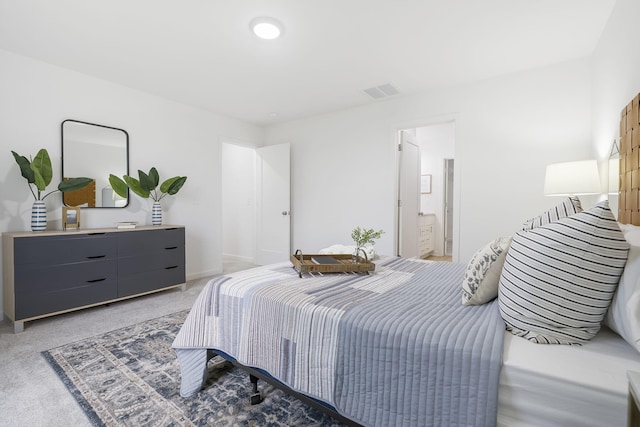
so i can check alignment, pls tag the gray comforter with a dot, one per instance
(392, 348)
(418, 357)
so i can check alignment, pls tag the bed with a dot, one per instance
(398, 348)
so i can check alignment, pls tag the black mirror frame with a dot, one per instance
(62, 158)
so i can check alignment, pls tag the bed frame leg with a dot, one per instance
(255, 394)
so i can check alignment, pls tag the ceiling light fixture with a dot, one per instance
(266, 28)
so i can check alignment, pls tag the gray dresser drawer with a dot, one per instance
(150, 280)
(145, 242)
(48, 289)
(51, 250)
(53, 278)
(75, 295)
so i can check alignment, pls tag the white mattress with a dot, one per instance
(559, 385)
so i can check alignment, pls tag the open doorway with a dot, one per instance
(238, 204)
(256, 212)
(434, 223)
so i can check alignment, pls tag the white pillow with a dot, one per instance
(558, 279)
(623, 316)
(569, 206)
(480, 284)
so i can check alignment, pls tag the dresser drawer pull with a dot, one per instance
(172, 267)
(96, 256)
(97, 280)
(96, 234)
(171, 247)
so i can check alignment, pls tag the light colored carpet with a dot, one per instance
(31, 394)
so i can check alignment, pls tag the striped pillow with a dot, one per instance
(571, 205)
(558, 279)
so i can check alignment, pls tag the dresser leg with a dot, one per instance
(18, 327)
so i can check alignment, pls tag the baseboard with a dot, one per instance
(201, 274)
(237, 258)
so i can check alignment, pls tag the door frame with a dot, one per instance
(457, 181)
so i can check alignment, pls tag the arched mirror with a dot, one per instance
(94, 151)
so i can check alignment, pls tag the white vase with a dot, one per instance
(156, 214)
(38, 216)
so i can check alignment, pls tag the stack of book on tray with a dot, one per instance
(324, 259)
(126, 224)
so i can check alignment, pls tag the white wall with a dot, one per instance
(436, 142)
(616, 73)
(176, 139)
(507, 131)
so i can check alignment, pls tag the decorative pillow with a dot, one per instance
(571, 205)
(480, 284)
(623, 316)
(558, 279)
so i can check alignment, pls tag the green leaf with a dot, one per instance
(39, 180)
(73, 184)
(118, 185)
(41, 164)
(154, 177)
(136, 187)
(146, 182)
(173, 185)
(363, 236)
(25, 167)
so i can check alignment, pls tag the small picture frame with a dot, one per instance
(70, 218)
(425, 184)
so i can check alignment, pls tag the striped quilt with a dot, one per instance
(339, 338)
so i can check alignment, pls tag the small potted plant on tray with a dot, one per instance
(363, 237)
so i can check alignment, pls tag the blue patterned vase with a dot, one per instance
(156, 214)
(38, 216)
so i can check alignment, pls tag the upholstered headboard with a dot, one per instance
(629, 202)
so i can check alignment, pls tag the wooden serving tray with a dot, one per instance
(304, 264)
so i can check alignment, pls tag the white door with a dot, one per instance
(408, 196)
(273, 204)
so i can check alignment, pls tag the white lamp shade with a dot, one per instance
(572, 178)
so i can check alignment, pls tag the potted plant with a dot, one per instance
(146, 186)
(363, 237)
(38, 173)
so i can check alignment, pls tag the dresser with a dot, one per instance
(426, 223)
(54, 272)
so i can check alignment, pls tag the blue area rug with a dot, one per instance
(130, 377)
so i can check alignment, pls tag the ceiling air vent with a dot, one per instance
(382, 91)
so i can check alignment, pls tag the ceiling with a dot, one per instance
(202, 53)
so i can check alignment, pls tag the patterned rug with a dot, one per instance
(130, 377)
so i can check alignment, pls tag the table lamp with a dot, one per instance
(572, 178)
